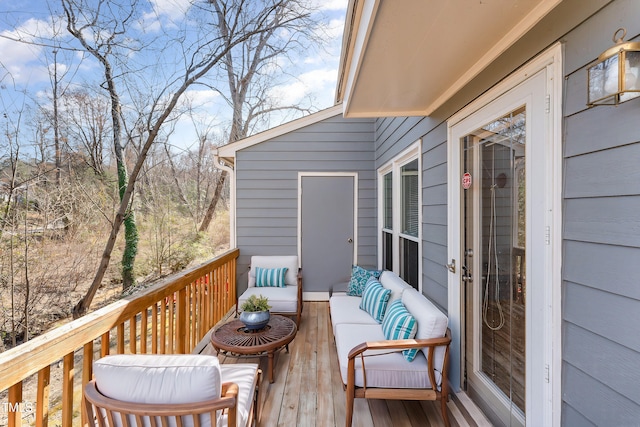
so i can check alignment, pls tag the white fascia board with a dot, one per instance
(364, 17)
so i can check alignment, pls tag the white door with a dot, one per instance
(502, 190)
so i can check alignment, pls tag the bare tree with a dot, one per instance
(107, 24)
(250, 72)
(194, 174)
(105, 32)
(87, 127)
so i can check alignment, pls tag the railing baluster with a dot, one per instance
(163, 328)
(196, 313)
(143, 330)
(104, 344)
(120, 338)
(42, 397)
(67, 389)
(216, 284)
(181, 321)
(170, 320)
(154, 328)
(132, 334)
(15, 405)
(87, 373)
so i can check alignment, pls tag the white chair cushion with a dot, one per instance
(346, 309)
(281, 300)
(394, 283)
(171, 379)
(288, 261)
(146, 378)
(432, 323)
(384, 369)
(243, 374)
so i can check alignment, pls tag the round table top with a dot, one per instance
(234, 337)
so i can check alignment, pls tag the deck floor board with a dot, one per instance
(308, 388)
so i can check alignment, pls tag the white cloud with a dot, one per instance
(20, 58)
(331, 4)
(171, 8)
(150, 23)
(335, 28)
(320, 83)
(164, 13)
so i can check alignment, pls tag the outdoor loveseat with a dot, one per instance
(392, 342)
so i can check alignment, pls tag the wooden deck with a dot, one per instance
(308, 390)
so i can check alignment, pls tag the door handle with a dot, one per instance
(350, 240)
(451, 266)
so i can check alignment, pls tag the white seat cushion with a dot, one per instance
(346, 309)
(288, 261)
(384, 369)
(243, 374)
(281, 300)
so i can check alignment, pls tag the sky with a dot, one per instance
(25, 69)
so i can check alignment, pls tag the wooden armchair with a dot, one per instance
(357, 367)
(285, 300)
(171, 390)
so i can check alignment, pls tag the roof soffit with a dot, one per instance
(407, 57)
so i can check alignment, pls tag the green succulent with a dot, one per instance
(256, 303)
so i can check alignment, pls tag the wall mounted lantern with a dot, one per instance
(615, 78)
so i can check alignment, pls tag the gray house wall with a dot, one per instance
(266, 177)
(601, 296)
(601, 225)
(393, 135)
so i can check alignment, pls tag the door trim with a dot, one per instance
(354, 175)
(543, 405)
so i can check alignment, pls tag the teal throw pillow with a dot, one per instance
(270, 277)
(359, 277)
(374, 299)
(399, 324)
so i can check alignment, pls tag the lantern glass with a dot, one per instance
(604, 81)
(631, 81)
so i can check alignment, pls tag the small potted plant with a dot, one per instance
(255, 312)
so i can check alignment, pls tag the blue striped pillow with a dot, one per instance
(374, 299)
(270, 277)
(399, 324)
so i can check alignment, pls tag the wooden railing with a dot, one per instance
(172, 316)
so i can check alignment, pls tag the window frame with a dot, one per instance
(394, 166)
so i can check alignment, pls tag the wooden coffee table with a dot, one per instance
(234, 339)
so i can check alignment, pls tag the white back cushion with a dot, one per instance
(432, 323)
(394, 283)
(159, 378)
(275, 261)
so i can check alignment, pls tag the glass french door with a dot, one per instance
(494, 263)
(504, 159)
(502, 162)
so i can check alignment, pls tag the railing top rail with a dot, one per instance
(27, 359)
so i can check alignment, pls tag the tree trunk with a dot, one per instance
(208, 216)
(130, 250)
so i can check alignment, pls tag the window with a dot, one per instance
(400, 226)
(387, 227)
